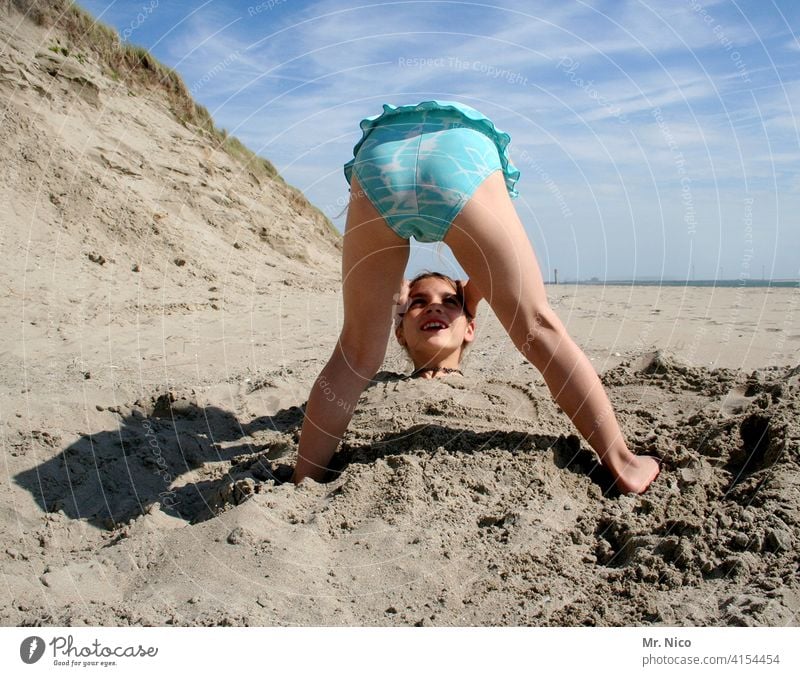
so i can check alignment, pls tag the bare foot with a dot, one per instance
(637, 474)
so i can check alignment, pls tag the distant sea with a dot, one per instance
(693, 282)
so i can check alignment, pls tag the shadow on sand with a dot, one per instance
(111, 477)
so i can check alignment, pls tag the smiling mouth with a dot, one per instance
(434, 325)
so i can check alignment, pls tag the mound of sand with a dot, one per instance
(103, 184)
(455, 502)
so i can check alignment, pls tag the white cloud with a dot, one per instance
(303, 78)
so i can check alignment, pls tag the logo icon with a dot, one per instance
(31, 649)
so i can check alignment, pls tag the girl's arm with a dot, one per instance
(472, 296)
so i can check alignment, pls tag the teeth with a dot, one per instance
(432, 325)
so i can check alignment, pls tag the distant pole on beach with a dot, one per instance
(555, 275)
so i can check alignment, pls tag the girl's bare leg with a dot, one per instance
(373, 262)
(490, 243)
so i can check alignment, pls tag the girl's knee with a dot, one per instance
(362, 357)
(538, 333)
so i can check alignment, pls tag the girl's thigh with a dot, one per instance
(373, 262)
(491, 244)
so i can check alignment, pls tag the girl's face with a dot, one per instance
(434, 327)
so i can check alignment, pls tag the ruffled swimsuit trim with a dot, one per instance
(475, 120)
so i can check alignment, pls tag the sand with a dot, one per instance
(150, 411)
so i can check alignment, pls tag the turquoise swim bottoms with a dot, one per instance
(419, 165)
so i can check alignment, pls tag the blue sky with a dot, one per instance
(655, 139)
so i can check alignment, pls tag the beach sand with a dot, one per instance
(163, 318)
(147, 494)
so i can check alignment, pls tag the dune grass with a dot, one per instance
(139, 70)
(142, 72)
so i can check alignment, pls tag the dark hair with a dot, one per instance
(456, 284)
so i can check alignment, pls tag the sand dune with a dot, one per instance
(164, 315)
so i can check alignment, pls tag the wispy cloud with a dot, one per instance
(622, 101)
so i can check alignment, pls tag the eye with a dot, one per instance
(416, 301)
(452, 300)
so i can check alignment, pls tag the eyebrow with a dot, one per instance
(422, 294)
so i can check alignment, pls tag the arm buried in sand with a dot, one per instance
(480, 226)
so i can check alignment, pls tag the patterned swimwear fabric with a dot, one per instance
(419, 165)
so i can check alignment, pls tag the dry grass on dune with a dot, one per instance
(137, 68)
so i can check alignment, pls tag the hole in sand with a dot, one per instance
(761, 447)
